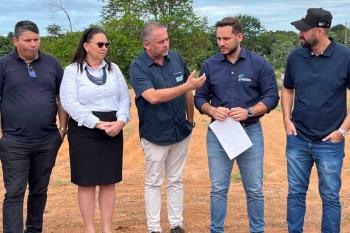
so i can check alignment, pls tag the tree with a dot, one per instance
(276, 46)
(6, 45)
(56, 5)
(252, 29)
(63, 47)
(188, 33)
(116, 9)
(340, 34)
(10, 35)
(54, 30)
(124, 35)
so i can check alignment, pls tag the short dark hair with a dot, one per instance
(230, 21)
(148, 29)
(80, 54)
(25, 25)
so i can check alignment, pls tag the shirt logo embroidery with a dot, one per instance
(241, 78)
(179, 78)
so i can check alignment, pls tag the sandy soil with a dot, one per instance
(62, 213)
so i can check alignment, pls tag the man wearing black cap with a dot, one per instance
(316, 79)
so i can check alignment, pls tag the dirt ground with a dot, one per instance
(62, 212)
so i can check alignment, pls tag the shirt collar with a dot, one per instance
(103, 64)
(242, 54)
(149, 61)
(326, 53)
(16, 55)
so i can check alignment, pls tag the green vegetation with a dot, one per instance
(6, 44)
(60, 182)
(62, 47)
(189, 34)
(236, 177)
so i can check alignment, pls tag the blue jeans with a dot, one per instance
(250, 164)
(328, 157)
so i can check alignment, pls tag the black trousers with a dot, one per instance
(22, 164)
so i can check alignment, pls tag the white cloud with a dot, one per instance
(82, 12)
(274, 15)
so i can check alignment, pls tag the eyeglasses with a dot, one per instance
(31, 71)
(101, 44)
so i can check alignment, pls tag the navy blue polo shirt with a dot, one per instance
(320, 84)
(28, 104)
(248, 81)
(163, 123)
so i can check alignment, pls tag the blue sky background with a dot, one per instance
(273, 14)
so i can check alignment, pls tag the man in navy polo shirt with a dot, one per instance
(29, 137)
(242, 85)
(164, 100)
(315, 118)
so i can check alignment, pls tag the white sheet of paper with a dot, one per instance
(231, 136)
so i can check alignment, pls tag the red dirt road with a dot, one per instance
(62, 212)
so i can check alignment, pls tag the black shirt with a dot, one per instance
(28, 104)
(163, 123)
(320, 84)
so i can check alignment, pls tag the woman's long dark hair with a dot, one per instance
(80, 54)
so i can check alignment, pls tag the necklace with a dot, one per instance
(97, 80)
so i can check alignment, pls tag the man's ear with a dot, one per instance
(14, 40)
(240, 37)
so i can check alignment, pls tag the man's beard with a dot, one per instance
(231, 50)
(308, 45)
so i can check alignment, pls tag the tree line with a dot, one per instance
(189, 34)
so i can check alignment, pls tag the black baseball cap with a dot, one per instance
(315, 17)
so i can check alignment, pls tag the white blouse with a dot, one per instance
(79, 96)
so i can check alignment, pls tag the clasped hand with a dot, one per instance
(221, 113)
(112, 128)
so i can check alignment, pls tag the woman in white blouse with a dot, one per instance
(95, 95)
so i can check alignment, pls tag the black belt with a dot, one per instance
(247, 124)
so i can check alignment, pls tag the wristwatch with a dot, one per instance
(343, 132)
(249, 112)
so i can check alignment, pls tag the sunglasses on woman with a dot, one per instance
(101, 44)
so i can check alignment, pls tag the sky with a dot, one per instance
(273, 14)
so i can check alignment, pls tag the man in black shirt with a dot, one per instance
(315, 118)
(164, 101)
(29, 137)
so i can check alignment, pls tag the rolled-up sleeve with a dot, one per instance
(203, 94)
(268, 86)
(123, 112)
(70, 102)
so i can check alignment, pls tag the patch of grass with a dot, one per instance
(60, 182)
(236, 177)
